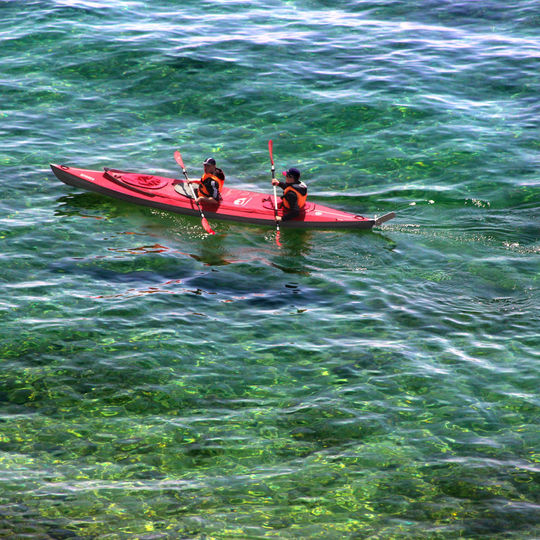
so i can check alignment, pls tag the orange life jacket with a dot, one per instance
(202, 188)
(300, 197)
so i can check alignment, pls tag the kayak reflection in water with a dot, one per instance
(210, 184)
(294, 194)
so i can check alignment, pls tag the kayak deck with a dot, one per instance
(175, 196)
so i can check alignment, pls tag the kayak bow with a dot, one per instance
(236, 205)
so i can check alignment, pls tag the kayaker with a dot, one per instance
(294, 194)
(211, 183)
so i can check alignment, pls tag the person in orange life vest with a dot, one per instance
(294, 194)
(210, 184)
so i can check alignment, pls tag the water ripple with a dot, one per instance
(157, 382)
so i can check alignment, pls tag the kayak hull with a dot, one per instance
(174, 195)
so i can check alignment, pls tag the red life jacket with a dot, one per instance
(202, 188)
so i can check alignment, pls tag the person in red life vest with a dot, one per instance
(210, 184)
(294, 194)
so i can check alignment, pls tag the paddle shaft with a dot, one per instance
(273, 169)
(205, 224)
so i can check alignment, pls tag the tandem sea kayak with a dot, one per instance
(174, 195)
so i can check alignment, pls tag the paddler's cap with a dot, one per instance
(294, 172)
(210, 161)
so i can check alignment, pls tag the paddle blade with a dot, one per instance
(178, 158)
(277, 238)
(206, 226)
(271, 149)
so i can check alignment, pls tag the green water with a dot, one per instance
(160, 383)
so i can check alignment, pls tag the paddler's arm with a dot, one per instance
(206, 199)
(282, 185)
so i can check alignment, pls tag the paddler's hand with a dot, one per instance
(278, 218)
(275, 182)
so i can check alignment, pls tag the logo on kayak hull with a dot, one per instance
(242, 201)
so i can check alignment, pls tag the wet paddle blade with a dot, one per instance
(206, 226)
(270, 150)
(277, 238)
(178, 159)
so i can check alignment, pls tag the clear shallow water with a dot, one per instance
(159, 383)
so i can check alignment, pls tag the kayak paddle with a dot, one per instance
(204, 221)
(270, 148)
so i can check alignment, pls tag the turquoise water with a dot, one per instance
(160, 383)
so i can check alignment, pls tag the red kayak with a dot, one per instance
(236, 205)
